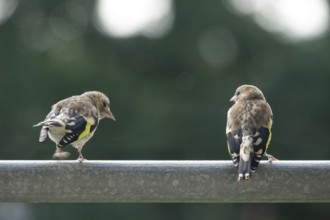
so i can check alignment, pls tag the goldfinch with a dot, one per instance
(249, 123)
(74, 120)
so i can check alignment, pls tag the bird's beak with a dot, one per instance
(233, 99)
(110, 115)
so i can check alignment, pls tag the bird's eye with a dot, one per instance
(104, 104)
(238, 93)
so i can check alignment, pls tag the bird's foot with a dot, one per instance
(271, 158)
(60, 154)
(81, 158)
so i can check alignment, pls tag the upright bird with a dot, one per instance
(249, 123)
(74, 120)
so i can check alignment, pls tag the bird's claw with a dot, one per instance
(60, 155)
(271, 158)
(81, 158)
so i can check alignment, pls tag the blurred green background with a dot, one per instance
(169, 68)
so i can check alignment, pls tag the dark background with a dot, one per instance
(170, 96)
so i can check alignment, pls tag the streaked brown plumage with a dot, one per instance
(74, 120)
(249, 123)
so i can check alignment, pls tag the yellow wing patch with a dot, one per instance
(270, 124)
(85, 132)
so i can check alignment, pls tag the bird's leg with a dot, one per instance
(270, 157)
(60, 154)
(81, 157)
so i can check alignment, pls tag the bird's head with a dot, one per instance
(247, 92)
(102, 103)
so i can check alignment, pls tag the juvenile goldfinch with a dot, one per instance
(74, 120)
(249, 123)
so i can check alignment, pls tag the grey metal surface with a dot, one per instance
(162, 181)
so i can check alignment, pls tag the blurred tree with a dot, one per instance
(170, 94)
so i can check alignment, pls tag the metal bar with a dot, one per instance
(162, 181)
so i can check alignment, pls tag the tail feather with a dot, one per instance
(246, 153)
(51, 123)
(244, 168)
(43, 134)
(39, 124)
(45, 127)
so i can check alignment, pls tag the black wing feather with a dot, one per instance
(260, 138)
(75, 126)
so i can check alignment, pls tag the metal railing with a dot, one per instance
(162, 181)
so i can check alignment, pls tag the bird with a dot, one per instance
(248, 129)
(74, 121)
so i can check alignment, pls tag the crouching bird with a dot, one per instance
(248, 131)
(74, 120)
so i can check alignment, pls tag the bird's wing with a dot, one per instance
(234, 141)
(73, 117)
(83, 118)
(78, 127)
(234, 133)
(261, 140)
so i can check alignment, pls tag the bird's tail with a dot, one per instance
(39, 124)
(43, 134)
(45, 127)
(246, 152)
